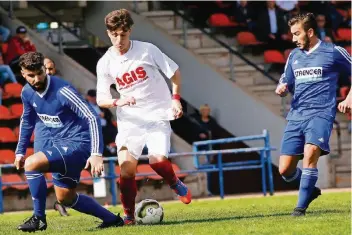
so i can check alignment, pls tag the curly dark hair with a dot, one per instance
(119, 19)
(32, 61)
(307, 19)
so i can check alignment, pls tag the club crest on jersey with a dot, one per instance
(128, 79)
(50, 121)
(310, 74)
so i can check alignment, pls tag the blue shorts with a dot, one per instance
(66, 163)
(316, 131)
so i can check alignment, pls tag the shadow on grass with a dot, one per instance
(207, 220)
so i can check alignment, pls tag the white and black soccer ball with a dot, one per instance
(149, 211)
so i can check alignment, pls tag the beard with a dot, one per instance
(40, 86)
(306, 43)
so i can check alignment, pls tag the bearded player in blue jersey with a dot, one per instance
(73, 141)
(311, 74)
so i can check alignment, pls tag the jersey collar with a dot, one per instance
(314, 48)
(41, 95)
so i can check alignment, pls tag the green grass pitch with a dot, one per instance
(329, 214)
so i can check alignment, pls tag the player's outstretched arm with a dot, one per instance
(176, 98)
(69, 97)
(27, 125)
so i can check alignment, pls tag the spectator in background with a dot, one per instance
(109, 130)
(50, 67)
(6, 73)
(4, 33)
(325, 34)
(288, 8)
(244, 14)
(18, 45)
(272, 29)
(206, 123)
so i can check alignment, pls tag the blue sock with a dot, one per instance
(88, 205)
(37, 187)
(295, 178)
(308, 180)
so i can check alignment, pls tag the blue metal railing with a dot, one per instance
(264, 163)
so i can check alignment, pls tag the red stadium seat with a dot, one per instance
(348, 49)
(145, 168)
(13, 89)
(86, 174)
(6, 135)
(247, 39)
(5, 114)
(220, 20)
(274, 57)
(287, 53)
(7, 156)
(176, 170)
(344, 34)
(342, 12)
(16, 110)
(14, 178)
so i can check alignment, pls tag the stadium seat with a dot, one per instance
(344, 34)
(247, 39)
(177, 169)
(16, 110)
(6, 135)
(342, 12)
(7, 156)
(348, 49)
(274, 57)
(145, 168)
(5, 114)
(220, 20)
(86, 174)
(13, 90)
(14, 178)
(287, 53)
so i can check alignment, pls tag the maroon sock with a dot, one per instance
(128, 188)
(164, 169)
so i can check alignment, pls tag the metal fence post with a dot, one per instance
(263, 164)
(221, 176)
(268, 161)
(112, 177)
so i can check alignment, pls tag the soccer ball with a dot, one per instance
(149, 211)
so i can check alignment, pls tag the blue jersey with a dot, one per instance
(60, 115)
(312, 77)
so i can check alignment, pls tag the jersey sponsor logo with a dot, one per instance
(131, 78)
(309, 74)
(50, 121)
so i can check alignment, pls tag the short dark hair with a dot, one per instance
(32, 61)
(119, 19)
(307, 19)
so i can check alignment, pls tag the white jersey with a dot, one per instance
(136, 74)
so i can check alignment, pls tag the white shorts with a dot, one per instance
(154, 135)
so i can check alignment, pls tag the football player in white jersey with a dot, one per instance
(144, 108)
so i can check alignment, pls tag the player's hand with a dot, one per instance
(177, 108)
(126, 101)
(282, 89)
(345, 106)
(96, 165)
(19, 162)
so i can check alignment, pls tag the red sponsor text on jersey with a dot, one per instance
(128, 79)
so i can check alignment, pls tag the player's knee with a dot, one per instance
(311, 150)
(128, 170)
(30, 164)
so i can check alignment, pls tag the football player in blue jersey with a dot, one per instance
(311, 74)
(73, 141)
